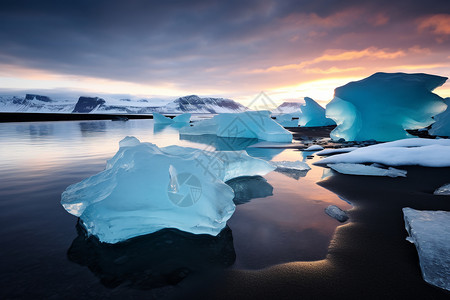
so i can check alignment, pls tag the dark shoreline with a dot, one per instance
(42, 117)
(368, 258)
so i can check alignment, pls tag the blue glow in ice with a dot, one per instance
(313, 115)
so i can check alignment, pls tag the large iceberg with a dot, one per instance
(145, 188)
(313, 115)
(414, 151)
(442, 125)
(250, 124)
(382, 106)
(429, 231)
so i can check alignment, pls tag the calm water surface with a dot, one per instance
(43, 255)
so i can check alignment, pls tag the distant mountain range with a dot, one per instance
(288, 108)
(188, 104)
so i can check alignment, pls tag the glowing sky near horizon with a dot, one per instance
(233, 49)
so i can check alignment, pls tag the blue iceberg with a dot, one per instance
(313, 115)
(384, 105)
(145, 188)
(442, 125)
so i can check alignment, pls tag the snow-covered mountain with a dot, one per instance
(191, 104)
(288, 108)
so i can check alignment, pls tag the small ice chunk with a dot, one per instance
(160, 119)
(327, 152)
(292, 165)
(336, 213)
(314, 148)
(443, 190)
(359, 169)
(429, 231)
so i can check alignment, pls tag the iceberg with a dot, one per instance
(359, 169)
(429, 232)
(313, 115)
(145, 188)
(287, 120)
(160, 119)
(250, 124)
(413, 151)
(443, 190)
(384, 105)
(442, 125)
(336, 213)
(291, 165)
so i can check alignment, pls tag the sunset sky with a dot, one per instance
(233, 49)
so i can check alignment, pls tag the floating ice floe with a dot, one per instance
(145, 188)
(336, 213)
(160, 119)
(327, 152)
(314, 148)
(383, 105)
(359, 169)
(443, 190)
(293, 169)
(414, 151)
(313, 115)
(442, 125)
(250, 124)
(429, 231)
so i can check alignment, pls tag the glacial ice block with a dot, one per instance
(382, 106)
(250, 124)
(336, 213)
(442, 125)
(313, 115)
(359, 169)
(429, 231)
(443, 190)
(413, 151)
(145, 188)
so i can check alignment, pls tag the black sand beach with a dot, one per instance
(368, 258)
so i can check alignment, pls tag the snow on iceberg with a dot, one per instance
(250, 124)
(160, 119)
(414, 151)
(429, 231)
(359, 169)
(327, 152)
(313, 115)
(145, 188)
(382, 106)
(443, 190)
(442, 125)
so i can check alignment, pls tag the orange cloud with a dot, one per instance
(438, 24)
(336, 55)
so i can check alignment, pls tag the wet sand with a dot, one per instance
(368, 258)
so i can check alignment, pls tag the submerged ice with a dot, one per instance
(382, 106)
(429, 231)
(145, 188)
(250, 124)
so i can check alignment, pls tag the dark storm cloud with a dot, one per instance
(151, 41)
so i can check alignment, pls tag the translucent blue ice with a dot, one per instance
(442, 125)
(145, 188)
(160, 119)
(382, 106)
(313, 115)
(250, 124)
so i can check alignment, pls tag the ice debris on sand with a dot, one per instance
(443, 190)
(336, 213)
(249, 124)
(327, 152)
(145, 188)
(414, 151)
(442, 125)
(314, 148)
(313, 115)
(160, 119)
(382, 106)
(429, 231)
(359, 169)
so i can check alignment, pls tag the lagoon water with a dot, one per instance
(44, 255)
